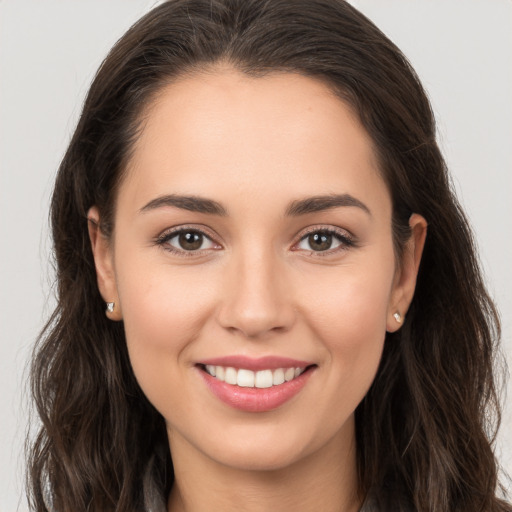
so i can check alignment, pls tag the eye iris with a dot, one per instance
(320, 241)
(190, 240)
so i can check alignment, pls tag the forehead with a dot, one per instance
(218, 131)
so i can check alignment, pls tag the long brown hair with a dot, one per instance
(425, 430)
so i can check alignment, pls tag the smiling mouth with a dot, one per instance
(253, 379)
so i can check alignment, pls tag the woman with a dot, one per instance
(280, 294)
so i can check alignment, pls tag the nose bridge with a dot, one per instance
(255, 299)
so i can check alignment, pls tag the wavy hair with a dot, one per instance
(426, 428)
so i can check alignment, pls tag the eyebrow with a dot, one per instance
(321, 203)
(190, 203)
(295, 208)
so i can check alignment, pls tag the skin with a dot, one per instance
(258, 288)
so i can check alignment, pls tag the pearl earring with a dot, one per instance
(110, 307)
(398, 317)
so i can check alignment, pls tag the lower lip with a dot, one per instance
(256, 399)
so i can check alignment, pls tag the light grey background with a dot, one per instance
(49, 51)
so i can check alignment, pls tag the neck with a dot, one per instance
(325, 480)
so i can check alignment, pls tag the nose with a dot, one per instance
(256, 299)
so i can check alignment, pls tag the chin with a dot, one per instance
(258, 459)
(265, 449)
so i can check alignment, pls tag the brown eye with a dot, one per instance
(190, 240)
(320, 241)
(187, 240)
(324, 240)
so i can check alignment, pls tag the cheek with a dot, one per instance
(348, 315)
(164, 310)
(354, 299)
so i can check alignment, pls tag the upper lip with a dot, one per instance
(256, 364)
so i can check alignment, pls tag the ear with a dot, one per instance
(104, 263)
(405, 279)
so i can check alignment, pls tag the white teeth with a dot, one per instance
(289, 374)
(220, 373)
(249, 379)
(245, 379)
(231, 376)
(263, 379)
(278, 377)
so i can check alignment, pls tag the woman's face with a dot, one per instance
(252, 238)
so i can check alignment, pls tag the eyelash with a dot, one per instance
(346, 241)
(165, 237)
